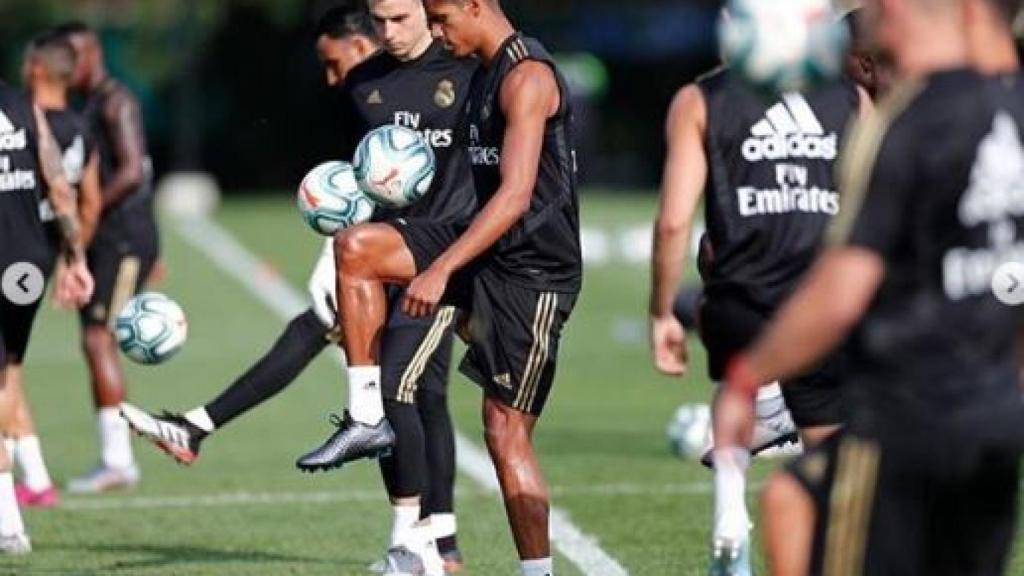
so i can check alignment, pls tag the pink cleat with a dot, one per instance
(27, 497)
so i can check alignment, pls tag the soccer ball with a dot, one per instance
(394, 166)
(151, 328)
(689, 430)
(783, 45)
(330, 200)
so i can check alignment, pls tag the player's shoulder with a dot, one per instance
(440, 61)
(918, 106)
(374, 67)
(522, 46)
(117, 96)
(714, 78)
(529, 77)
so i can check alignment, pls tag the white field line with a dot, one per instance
(237, 261)
(244, 498)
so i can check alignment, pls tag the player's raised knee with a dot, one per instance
(352, 247)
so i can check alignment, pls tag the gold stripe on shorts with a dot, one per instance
(543, 319)
(124, 287)
(413, 372)
(850, 504)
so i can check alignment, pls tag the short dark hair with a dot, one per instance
(346, 20)
(55, 52)
(72, 27)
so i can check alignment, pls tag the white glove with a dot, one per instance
(322, 286)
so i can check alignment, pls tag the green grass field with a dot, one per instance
(601, 441)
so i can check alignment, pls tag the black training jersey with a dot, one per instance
(542, 250)
(771, 189)
(76, 145)
(21, 232)
(427, 95)
(934, 184)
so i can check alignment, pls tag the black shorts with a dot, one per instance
(728, 326)
(415, 352)
(512, 331)
(890, 508)
(120, 259)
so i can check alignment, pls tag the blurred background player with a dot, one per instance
(48, 70)
(121, 254)
(925, 477)
(412, 76)
(32, 164)
(795, 499)
(757, 250)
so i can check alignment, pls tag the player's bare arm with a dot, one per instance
(74, 283)
(814, 321)
(124, 120)
(529, 96)
(61, 194)
(90, 198)
(685, 175)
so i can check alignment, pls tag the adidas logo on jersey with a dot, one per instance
(789, 130)
(10, 137)
(375, 97)
(994, 198)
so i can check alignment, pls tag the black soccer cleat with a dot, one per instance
(353, 440)
(170, 432)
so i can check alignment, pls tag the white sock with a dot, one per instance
(200, 419)
(9, 446)
(364, 400)
(115, 441)
(443, 524)
(29, 457)
(537, 567)
(10, 515)
(404, 518)
(769, 401)
(731, 518)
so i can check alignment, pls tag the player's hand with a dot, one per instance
(74, 285)
(424, 292)
(668, 345)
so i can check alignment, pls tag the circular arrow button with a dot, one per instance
(1008, 283)
(22, 283)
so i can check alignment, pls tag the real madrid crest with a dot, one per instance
(444, 96)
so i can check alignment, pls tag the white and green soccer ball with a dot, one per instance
(689, 430)
(330, 200)
(783, 45)
(394, 166)
(151, 328)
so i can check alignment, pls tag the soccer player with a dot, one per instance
(766, 169)
(49, 65)
(925, 477)
(121, 254)
(515, 268)
(413, 82)
(795, 500)
(30, 161)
